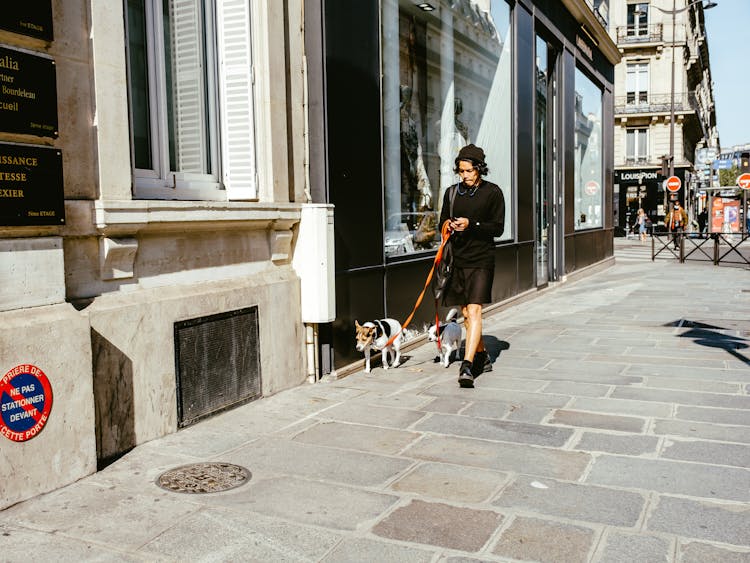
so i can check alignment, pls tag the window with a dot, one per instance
(637, 19)
(182, 143)
(636, 84)
(446, 83)
(636, 146)
(588, 153)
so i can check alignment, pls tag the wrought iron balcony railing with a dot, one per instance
(639, 34)
(646, 103)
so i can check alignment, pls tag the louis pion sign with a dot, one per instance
(31, 186)
(28, 94)
(32, 18)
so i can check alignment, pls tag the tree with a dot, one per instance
(728, 177)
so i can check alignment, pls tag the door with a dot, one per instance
(545, 165)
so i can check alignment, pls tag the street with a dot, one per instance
(615, 426)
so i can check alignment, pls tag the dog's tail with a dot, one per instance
(451, 315)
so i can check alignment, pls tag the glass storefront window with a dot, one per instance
(588, 153)
(446, 83)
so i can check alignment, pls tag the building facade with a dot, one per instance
(146, 272)
(664, 104)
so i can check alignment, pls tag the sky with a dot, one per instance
(727, 29)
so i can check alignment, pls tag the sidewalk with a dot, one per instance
(615, 426)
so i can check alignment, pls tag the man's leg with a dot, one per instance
(473, 323)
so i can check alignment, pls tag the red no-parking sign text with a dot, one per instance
(25, 402)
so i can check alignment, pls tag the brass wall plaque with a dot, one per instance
(28, 94)
(31, 186)
(32, 18)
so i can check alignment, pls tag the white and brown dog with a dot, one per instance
(374, 335)
(450, 336)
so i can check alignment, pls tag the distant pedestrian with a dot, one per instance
(641, 220)
(702, 221)
(676, 221)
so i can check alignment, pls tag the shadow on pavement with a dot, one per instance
(709, 335)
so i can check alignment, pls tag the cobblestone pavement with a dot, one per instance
(615, 426)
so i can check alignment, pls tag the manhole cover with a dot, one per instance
(204, 478)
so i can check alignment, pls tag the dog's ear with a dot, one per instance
(356, 324)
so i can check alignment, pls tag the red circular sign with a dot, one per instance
(591, 187)
(673, 183)
(25, 402)
(743, 181)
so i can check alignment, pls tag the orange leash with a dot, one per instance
(444, 234)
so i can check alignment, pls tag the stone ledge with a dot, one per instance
(129, 217)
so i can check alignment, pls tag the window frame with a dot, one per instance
(637, 156)
(159, 181)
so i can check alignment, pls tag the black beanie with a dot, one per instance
(471, 152)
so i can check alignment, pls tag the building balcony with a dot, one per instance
(648, 104)
(629, 35)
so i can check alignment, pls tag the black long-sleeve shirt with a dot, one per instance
(485, 210)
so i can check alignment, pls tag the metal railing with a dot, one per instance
(729, 248)
(630, 34)
(655, 103)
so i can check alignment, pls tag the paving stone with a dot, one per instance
(397, 400)
(528, 362)
(677, 361)
(692, 385)
(365, 549)
(277, 456)
(501, 379)
(546, 400)
(674, 477)
(104, 514)
(708, 452)
(717, 416)
(376, 416)
(578, 389)
(620, 547)
(450, 405)
(622, 406)
(583, 375)
(727, 523)
(358, 437)
(213, 535)
(451, 482)
(489, 409)
(314, 503)
(502, 456)
(688, 372)
(632, 444)
(591, 420)
(704, 430)
(695, 552)
(16, 544)
(604, 370)
(441, 525)
(683, 397)
(526, 413)
(499, 430)
(572, 501)
(531, 539)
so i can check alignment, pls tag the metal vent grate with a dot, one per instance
(217, 362)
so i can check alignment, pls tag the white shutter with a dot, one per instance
(188, 86)
(236, 90)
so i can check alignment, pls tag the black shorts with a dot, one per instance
(469, 286)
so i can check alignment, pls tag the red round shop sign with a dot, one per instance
(25, 402)
(591, 187)
(673, 183)
(743, 181)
